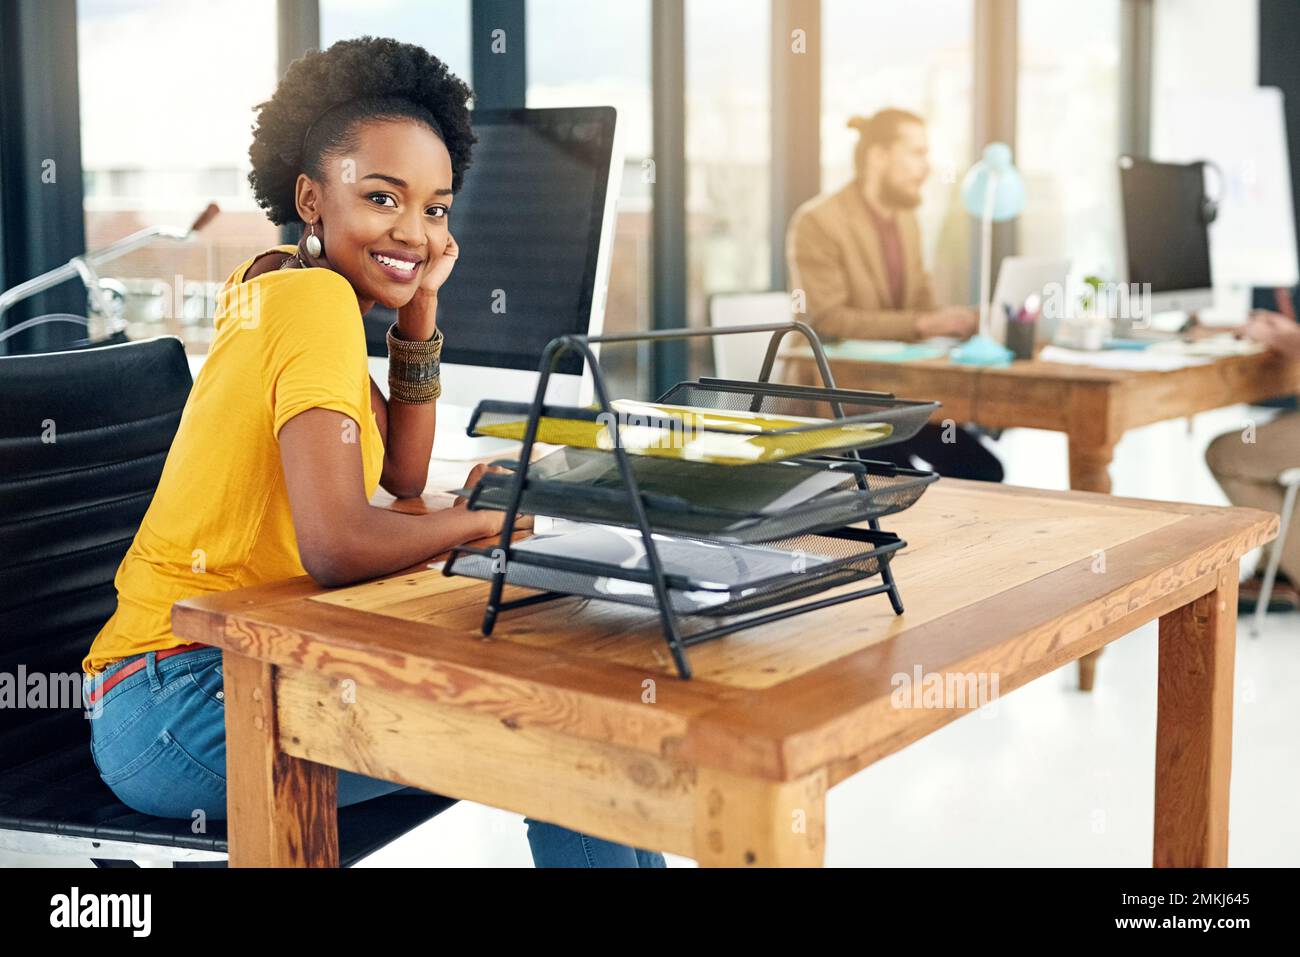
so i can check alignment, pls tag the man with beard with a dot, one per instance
(855, 255)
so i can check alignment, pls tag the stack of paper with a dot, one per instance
(1153, 359)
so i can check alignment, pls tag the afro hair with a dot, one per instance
(358, 79)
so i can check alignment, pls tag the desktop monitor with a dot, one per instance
(1166, 233)
(1244, 134)
(535, 223)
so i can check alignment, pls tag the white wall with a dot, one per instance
(1205, 46)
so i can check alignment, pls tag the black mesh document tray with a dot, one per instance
(753, 504)
(701, 525)
(904, 416)
(702, 577)
(808, 421)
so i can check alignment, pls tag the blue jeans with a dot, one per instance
(158, 738)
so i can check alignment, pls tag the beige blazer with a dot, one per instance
(834, 256)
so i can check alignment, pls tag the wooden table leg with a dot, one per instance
(1090, 467)
(1089, 472)
(1194, 728)
(749, 822)
(1088, 669)
(282, 811)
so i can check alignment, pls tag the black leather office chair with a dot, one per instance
(83, 437)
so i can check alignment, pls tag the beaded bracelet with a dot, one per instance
(414, 369)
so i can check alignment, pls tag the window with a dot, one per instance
(167, 97)
(1067, 132)
(916, 56)
(728, 152)
(440, 26)
(606, 62)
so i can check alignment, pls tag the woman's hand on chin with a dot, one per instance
(418, 319)
(439, 268)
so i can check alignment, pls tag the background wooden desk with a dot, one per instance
(1093, 407)
(578, 719)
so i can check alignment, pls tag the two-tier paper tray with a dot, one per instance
(732, 503)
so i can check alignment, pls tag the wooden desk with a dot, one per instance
(571, 712)
(1093, 407)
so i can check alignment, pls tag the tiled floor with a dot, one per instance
(1051, 776)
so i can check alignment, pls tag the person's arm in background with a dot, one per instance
(817, 270)
(931, 320)
(1275, 332)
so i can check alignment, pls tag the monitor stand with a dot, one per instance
(451, 444)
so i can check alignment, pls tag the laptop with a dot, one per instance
(1018, 279)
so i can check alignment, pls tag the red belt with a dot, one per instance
(103, 687)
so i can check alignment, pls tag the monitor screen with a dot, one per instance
(1166, 237)
(528, 221)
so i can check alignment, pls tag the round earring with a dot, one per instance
(312, 242)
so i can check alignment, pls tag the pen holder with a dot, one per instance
(1020, 338)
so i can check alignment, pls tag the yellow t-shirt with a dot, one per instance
(286, 341)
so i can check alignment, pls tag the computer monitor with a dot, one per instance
(534, 220)
(1244, 134)
(1166, 234)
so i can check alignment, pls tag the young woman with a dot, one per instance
(285, 437)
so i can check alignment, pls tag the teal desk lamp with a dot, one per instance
(993, 191)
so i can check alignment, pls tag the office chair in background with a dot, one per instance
(741, 357)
